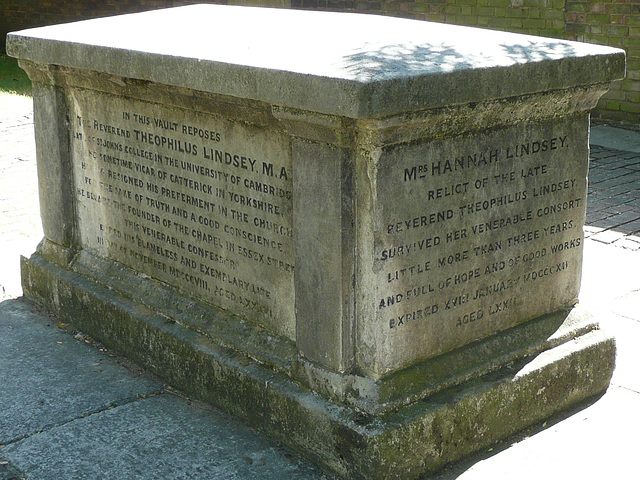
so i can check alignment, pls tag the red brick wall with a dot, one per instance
(606, 22)
(614, 23)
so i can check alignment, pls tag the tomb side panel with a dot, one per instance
(197, 201)
(54, 165)
(473, 235)
(324, 254)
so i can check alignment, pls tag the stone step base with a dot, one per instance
(405, 444)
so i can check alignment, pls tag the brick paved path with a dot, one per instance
(613, 208)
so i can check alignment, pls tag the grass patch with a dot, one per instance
(13, 80)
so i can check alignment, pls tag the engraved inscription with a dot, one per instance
(477, 234)
(198, 202)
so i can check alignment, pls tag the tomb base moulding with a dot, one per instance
(368, 247)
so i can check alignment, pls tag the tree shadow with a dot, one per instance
(377, 63)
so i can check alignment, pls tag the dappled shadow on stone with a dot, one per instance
(395, 61)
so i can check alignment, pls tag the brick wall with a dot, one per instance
(606, 22)
(615, 23)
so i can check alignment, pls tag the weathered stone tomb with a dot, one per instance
(360, 234)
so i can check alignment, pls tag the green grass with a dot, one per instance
(13, 80)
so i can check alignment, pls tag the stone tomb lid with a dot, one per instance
(354, 65)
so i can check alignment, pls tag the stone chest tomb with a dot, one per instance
(363, 235)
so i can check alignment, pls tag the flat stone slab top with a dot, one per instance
(355, 65)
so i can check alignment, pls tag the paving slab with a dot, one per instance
(608, 275)
(163, 437)
(615, 138)
(69, 410)
(49, 379)
(627, 333)
(611, 288)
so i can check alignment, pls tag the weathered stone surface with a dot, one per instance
(60, 390)
(157, 437)
(368, 66)
(385, 219)
(405, 443)
(470, 236)
(190, 199)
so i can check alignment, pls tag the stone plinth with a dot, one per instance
(361, 234)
